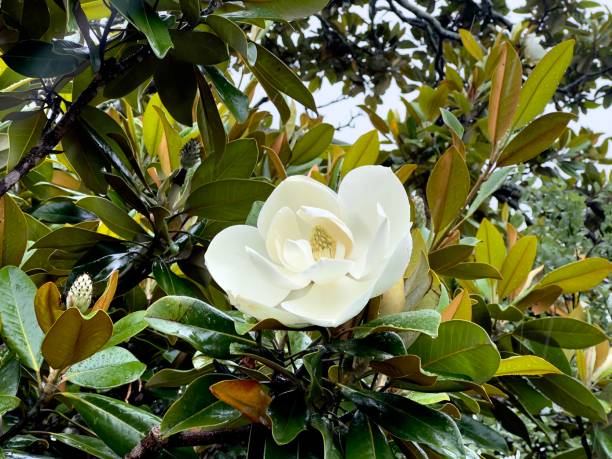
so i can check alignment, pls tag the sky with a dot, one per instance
(340, 113)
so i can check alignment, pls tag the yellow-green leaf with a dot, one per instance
(404, 172)
(470, 44)
(578, 276)
(363, 152)
(47, 305)
(525, 365)
(459, 308)
(491, 249)
(431, 100)
(540, 297)
(112, 215)
(543, 82)
(505, 90)
(447, 188)
(73, 338)
(517, 265)
(13, 232)
(535, 138)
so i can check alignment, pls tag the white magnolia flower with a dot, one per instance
(534, 52)
(316, 256)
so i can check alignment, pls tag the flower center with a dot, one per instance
(323, 245)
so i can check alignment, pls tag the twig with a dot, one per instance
(433, 22)
(153, 443)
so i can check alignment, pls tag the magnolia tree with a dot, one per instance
(187, 275)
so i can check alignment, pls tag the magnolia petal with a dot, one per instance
(332, 304)
(297, 255)
(262, 312)
(395, 267)
(327, 270)
(233, 269)
(336, 228)
(294, 192)
(377, 251)
(283, 225)
(364, 188)
(275, 273)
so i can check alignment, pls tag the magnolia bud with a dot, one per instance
(79, 295)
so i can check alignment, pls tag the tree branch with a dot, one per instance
(433, 22)
(153, 443)
(53, 136)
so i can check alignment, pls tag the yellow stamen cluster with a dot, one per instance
(323, 245)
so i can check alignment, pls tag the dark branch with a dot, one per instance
(429, 19)
(53, 136)
(154, 443)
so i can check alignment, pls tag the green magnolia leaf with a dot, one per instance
(13, 232)
(142, 16)
(578, 276)
(571, 395)
(234, 99)
(113, 216)
(71, 238)
(324, 426)
(207, 329)
(20, 331)
(200, 48)
(447, 188)
(483, 435)
(470, 44)
(452, 122)
(9, 372)
(90, 445)
(312, 144)
(169, 377)
(275, 73)
(535, 138)
(38, 59)
(118, 424)
(525, 365)
(470, 270)
(377, 346)
(198, 407)
(462, 349)
(233, 35)
(447, 257)
(564, 332)
(489, 187)
(365, 440)
(542, 83)
(423, 321)
(176, 84)
(173, 284)
(127, 327)
(227, 200)
(238, 162)
(209, 121)
(111, 367)
(362, 153)
(8, 403)
(409, 420)
(283, 9)
(517, 265)
(288, 415)
(23, 135)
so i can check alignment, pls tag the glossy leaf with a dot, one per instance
(462, 349)
(176, 84)
(535, 138)
(20, 330)
(571, 395)
(365, 440)
(209, 121)
(525, 365)
(492, 249)
(517, 265)
(247, 396)
(198, 407)
(207, 329)
(362, 153)
(38, 59)
(13, 232)
(505, 90)
(447, 188)
(405, 367)
(287, 414)
(118, 424)
(142, 16)
(470, 271)
(113, 216)
(449, 256)
(70, 238)
(127, 327)
(313, 144)
(409, 420)
(566, 332)
(200, 48)
(282, 9)
(238, 161)
(540, 297)
(111, 367)
(87, 444)
(23, 135)
(489, 187)
(228, 199)
(578, 276)
(234, 99)
(422, 321)
(542, 83)
(483, 435)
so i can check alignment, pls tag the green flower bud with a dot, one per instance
(79, 295)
